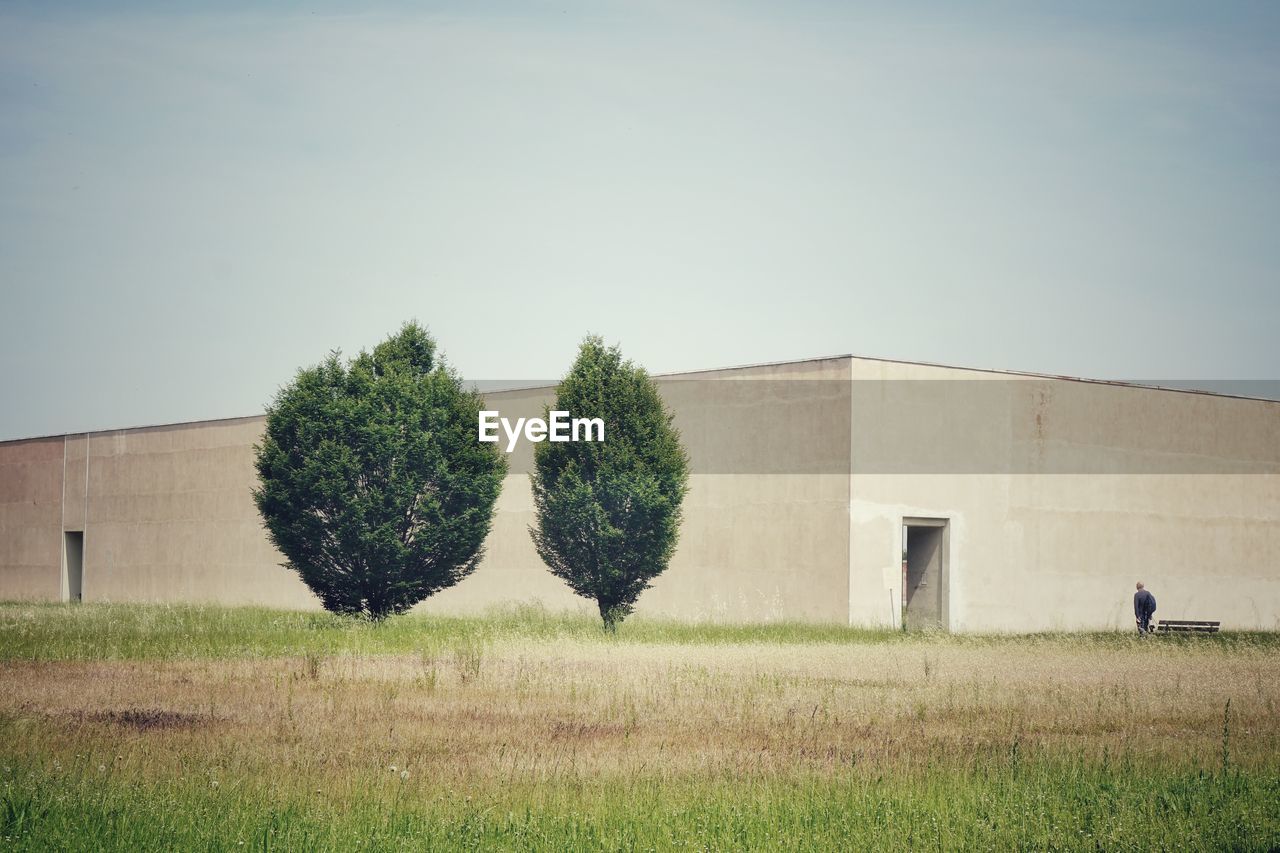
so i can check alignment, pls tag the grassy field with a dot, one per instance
(125, 727)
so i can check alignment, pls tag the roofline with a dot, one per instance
(994, 371)
(674, 373)
(1119, 383)
(1062, 377)
(136, 428)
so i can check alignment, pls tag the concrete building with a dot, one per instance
(829, 490)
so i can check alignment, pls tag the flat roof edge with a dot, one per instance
(1062, 377)
(135, 428)
(990, 370)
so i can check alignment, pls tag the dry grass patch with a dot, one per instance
(537, 735)
(509, 713)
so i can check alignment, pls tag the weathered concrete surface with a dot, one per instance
(753, 546)
(1182, 491)
(171, 517)
(30, 508)
(167, 516)
(1059, 495)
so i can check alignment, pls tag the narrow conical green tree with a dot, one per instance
(608, 512)
(371, 481)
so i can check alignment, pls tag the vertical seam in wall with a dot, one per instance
(64, 585)
(84, 535)
(848, 507)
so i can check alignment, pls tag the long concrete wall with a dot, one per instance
(170, 518)
(1058, 496)
(765, 532)
(166, 514)
(30, 519)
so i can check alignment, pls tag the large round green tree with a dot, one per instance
(372, 483)
(608, 513)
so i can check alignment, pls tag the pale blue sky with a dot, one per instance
(194, 202)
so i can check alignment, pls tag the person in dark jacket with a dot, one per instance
(1144, 604)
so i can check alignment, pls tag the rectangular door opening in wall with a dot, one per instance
(73, 557)
(925, 573)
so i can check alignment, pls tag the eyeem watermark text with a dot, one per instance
(560, 427)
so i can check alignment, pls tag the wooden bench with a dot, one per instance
(1188, 625)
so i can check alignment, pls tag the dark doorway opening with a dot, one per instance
(74, 557)
(925, 573)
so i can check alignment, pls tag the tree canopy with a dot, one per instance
(371, 481)
(608, 513)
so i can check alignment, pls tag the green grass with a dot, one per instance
(127, 727)
(1032, 806)
(150, 632)
(175, 632)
